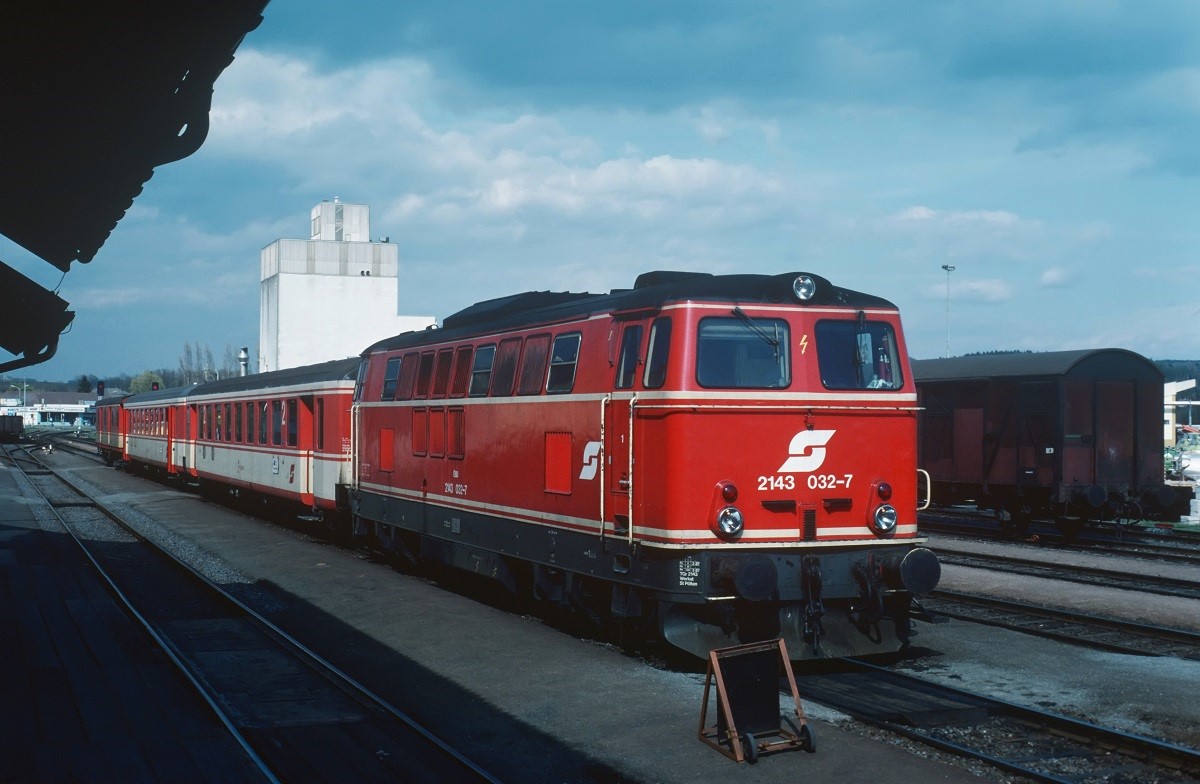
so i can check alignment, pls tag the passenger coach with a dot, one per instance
(719, 458)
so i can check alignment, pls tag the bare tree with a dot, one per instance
(187, 364)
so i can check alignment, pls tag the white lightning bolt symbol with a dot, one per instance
(803, 344)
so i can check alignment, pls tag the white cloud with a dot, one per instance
(1054, 277)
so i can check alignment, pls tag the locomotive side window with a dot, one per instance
(858, 354)
(462, 372)
(562, 363)
(657, 354)
(743, 353)
(481, 371)
(390, 375)
(408, 376)
(631, 341)
(425, 374)
(533, 367)
(504, 372)
(441, 374)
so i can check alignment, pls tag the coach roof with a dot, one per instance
(651, 291)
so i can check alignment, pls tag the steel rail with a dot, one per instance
(354, 688)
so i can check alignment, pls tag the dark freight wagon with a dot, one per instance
(1067, 435)
(12, 427)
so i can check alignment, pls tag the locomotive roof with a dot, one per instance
(1099, 363)
(651, 290)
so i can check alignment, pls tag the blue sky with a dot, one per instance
(1046, 150)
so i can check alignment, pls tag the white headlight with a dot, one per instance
(730, 522)
(804, 287)
(885, 520)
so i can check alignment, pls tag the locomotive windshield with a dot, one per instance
(743, 352)
(858, 354)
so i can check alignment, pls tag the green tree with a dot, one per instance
(85, 384)
(143, 381)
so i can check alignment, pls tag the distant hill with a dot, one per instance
(1181, 370)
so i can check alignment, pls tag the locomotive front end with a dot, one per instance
(797, 499)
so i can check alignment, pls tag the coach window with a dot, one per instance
(462, 372)
(425, 375)
(228, 422)
(250, 407)
(563, 360)
(657, 354)
(277, 422)
(264, 409)
(237, 422)
(202, 427)
(320, 425)
(504, 372)
(743, 352)
(631, 341)
(390, 374)
(481, 371)
(441, 374)
(219, 423)
(293, 422)
(408, 376)
(533, 365)
(858, 354)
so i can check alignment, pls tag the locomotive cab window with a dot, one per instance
(631, 342)
(858, 354)
(742, 352)
(657, 354)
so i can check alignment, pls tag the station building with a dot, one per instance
(329, 296)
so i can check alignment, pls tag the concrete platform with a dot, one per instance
(85, 696)
(527, 701)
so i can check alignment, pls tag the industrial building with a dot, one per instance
(329, 296)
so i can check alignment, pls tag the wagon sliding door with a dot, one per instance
(1116, 446)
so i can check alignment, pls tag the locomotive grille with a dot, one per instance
(809, 525)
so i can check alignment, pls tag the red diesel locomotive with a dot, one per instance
(714, 459)
(720, 458)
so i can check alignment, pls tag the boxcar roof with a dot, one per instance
(1099, 363)
(652, 290)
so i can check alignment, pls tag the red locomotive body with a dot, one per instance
(724, 458)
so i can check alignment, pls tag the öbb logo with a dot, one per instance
(807, 451)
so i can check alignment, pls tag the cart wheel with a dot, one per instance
(750, 746)
(808, 740)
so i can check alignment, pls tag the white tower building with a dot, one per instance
(329, 296)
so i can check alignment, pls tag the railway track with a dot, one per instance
(1181, 547)
(1111, 634)
(1039, 745)
(297, 717)
(1109, 578)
